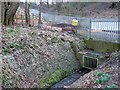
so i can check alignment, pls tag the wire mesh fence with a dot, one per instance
(97, 29)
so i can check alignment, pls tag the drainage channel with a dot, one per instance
(70, 79)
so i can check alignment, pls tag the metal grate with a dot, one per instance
(90, 62)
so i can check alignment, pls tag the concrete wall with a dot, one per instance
(101, 46)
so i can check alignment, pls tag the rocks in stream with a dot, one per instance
(44, 51)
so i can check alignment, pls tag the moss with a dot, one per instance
(55, 77)
(101, 46)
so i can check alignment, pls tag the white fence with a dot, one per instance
(97, 29)
(105, 30)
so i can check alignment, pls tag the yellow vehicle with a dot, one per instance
(75, 24)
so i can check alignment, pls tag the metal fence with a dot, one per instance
(105, 30)
(97, 29)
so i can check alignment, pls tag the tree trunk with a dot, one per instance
(59, 6)
(2, 14)
(8, 11)
(27, 14)
(40, 10)
(48, 3)
(114, 5)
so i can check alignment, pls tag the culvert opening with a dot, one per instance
(89, 61)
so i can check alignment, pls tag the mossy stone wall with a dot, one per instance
(101, 46)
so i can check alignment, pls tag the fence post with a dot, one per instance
(15, 19)
(90, 30)
(36, 19)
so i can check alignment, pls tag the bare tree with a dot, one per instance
(40, 10)
(58, 6)
(52, 2)
(8, 11)
(114, 5)
(27, 13)
(48, 3)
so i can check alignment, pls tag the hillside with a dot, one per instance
(82, 9)
(32, 57)
(89, 9)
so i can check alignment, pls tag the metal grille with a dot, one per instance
(105, 30)
(90, 62)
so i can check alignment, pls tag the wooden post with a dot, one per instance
(15, 19)
(22, 18)
(27, 14)
(33, 18)
(40, 10)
